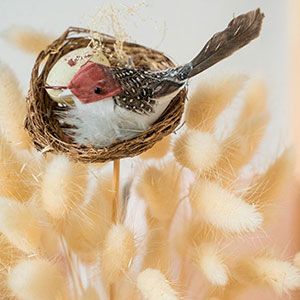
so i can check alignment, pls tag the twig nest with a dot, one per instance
(42, 123)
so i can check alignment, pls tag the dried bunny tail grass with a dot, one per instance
(160, 188)
(209, 260)
(13, 109)
(196, 150)
(158, 151)
(209, 100)
(222, 209)
(158, 246)
(87, 226)
(118, 251)
(63, 187)
(20, 225)
(255, 100)
(89, 294)
(27, 39)
(154, 286)
(238, 149)
(36, 279)
(282, 276)
(267, 187)
(8, 253)
(16, 180)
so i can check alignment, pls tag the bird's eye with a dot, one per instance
(98, 90)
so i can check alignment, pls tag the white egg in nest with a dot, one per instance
(66, 67)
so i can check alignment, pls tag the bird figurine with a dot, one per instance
(112, 104)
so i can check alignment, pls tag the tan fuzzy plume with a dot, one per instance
(16, 180)
(118, 251)
(209, 100)
(158, 246)
(159, 150)
(222, 209)
(9, 255)
(63, 186)
(198, 151)
(20, 225)
(238, 149)
(160, 188)
(266, 188)
(36, 279)
(154, 286)
(87, 226)
(282, 276)
(209, 260)
(13, 109)
(27, 39)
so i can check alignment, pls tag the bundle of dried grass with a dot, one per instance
(196, 208)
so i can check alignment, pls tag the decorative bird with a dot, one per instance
(113, 104)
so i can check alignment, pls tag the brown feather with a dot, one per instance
(239, 32)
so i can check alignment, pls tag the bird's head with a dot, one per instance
(92, 82)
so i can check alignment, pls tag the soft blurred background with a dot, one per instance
(180, 29)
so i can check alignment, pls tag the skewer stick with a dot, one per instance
(116, 201)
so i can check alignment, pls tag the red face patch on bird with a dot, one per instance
(94, 82)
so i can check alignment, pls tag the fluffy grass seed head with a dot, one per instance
(118, 251)
(36, 279)
(159, 150)
(280, 275)
(27, 39)
(63, 187)
(16, 178)
(209, 260)
(196, 150)
(12, 109)
(153, 285)
(223, 209)
(160, 188)
(266, 188)
(20, 225)
(209, 100)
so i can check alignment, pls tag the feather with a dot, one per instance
(239, 32)
(103, 123)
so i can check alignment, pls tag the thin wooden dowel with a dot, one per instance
(116, 201)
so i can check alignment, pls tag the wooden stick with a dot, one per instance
(115, 208)
(116, 202)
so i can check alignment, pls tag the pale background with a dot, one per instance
(180, 29)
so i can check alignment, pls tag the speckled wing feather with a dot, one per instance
(239, 32)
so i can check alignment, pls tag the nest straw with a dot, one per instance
(44, 128)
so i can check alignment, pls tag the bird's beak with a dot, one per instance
(65, 93)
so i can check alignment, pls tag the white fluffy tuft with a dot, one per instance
(36, 279)
(63, 186)
(19, 225)
(102, 123)
(208, 259)
(118, 251)
(282, 276)
(154, 286)
(223, 209)
(196, 150)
